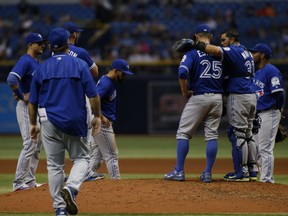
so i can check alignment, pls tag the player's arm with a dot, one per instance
(34, 130)
(183, 77)
(96, 109)
(13, 82)
(94, 70)
(209, 48)
(279, 98)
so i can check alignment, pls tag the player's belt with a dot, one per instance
(270, 108)
(204, 93)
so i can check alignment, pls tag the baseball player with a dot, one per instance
(81, 53)
(58, 92)
(19, 80)
(104, 144)
(270, 95)
(241, 102)
(201, 81)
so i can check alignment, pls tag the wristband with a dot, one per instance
(18, 93)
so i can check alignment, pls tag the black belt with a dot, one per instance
(270, 108)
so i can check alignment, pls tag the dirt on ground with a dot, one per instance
(157, 195)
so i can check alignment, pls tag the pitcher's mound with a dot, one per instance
(159, 196)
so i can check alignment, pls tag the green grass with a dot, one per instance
(144, 146)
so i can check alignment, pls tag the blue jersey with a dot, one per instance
(60, 85)
(268, 80)
(238, 63)
(23, 70)
(204, 73)
(106, 88)
(82, 54)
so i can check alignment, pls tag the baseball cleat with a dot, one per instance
(61, 212)
(21, 187)
(68, 194)
(253, 176)
(95, 176)
(206, 177)
(175, 176)
(236, 177)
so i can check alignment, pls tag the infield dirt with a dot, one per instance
(156, 195)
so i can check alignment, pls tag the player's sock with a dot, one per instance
(211, 152)
(182, 151)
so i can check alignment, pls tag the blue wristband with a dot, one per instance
(18, 93)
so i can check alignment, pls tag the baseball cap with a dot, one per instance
(71, 27)
(202, 28)
(34, 38)
(58, 37)
(263, 48)
(121, 65)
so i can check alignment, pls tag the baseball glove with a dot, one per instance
(184, 45)
(281, 134)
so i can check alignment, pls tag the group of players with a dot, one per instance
(212, 76)
(60, 95)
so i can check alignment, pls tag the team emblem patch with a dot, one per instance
(275, 81)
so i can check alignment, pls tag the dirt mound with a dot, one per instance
(159, 196)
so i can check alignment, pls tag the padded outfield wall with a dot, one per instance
(150, 101)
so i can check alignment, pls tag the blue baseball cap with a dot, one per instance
(202, 28)
(58, 37)
(34, 38)
(121, 65)
(71, 27)
(263, 48)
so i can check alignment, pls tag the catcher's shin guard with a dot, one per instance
(239, 149)
(252, 155)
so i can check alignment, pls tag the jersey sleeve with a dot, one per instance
(103, 86)
(275, 79)
(86, 57)
(88, 82)
(19, 68)
(185, 64)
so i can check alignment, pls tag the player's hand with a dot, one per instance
(96, 124)
(34, 133)
(105, 121)
(26, 98)
(188, 94)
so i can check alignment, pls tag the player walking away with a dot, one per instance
(104, 144)
(241, 102)
(81, 53)
(58, 91)
(270, 95)
(201, 81)
(19, 80)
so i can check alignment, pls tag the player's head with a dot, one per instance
(203, 31)
(35, 43)
(120, 67)
(73, 30)
(261, 52)
(229, 37)
(58, 40)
